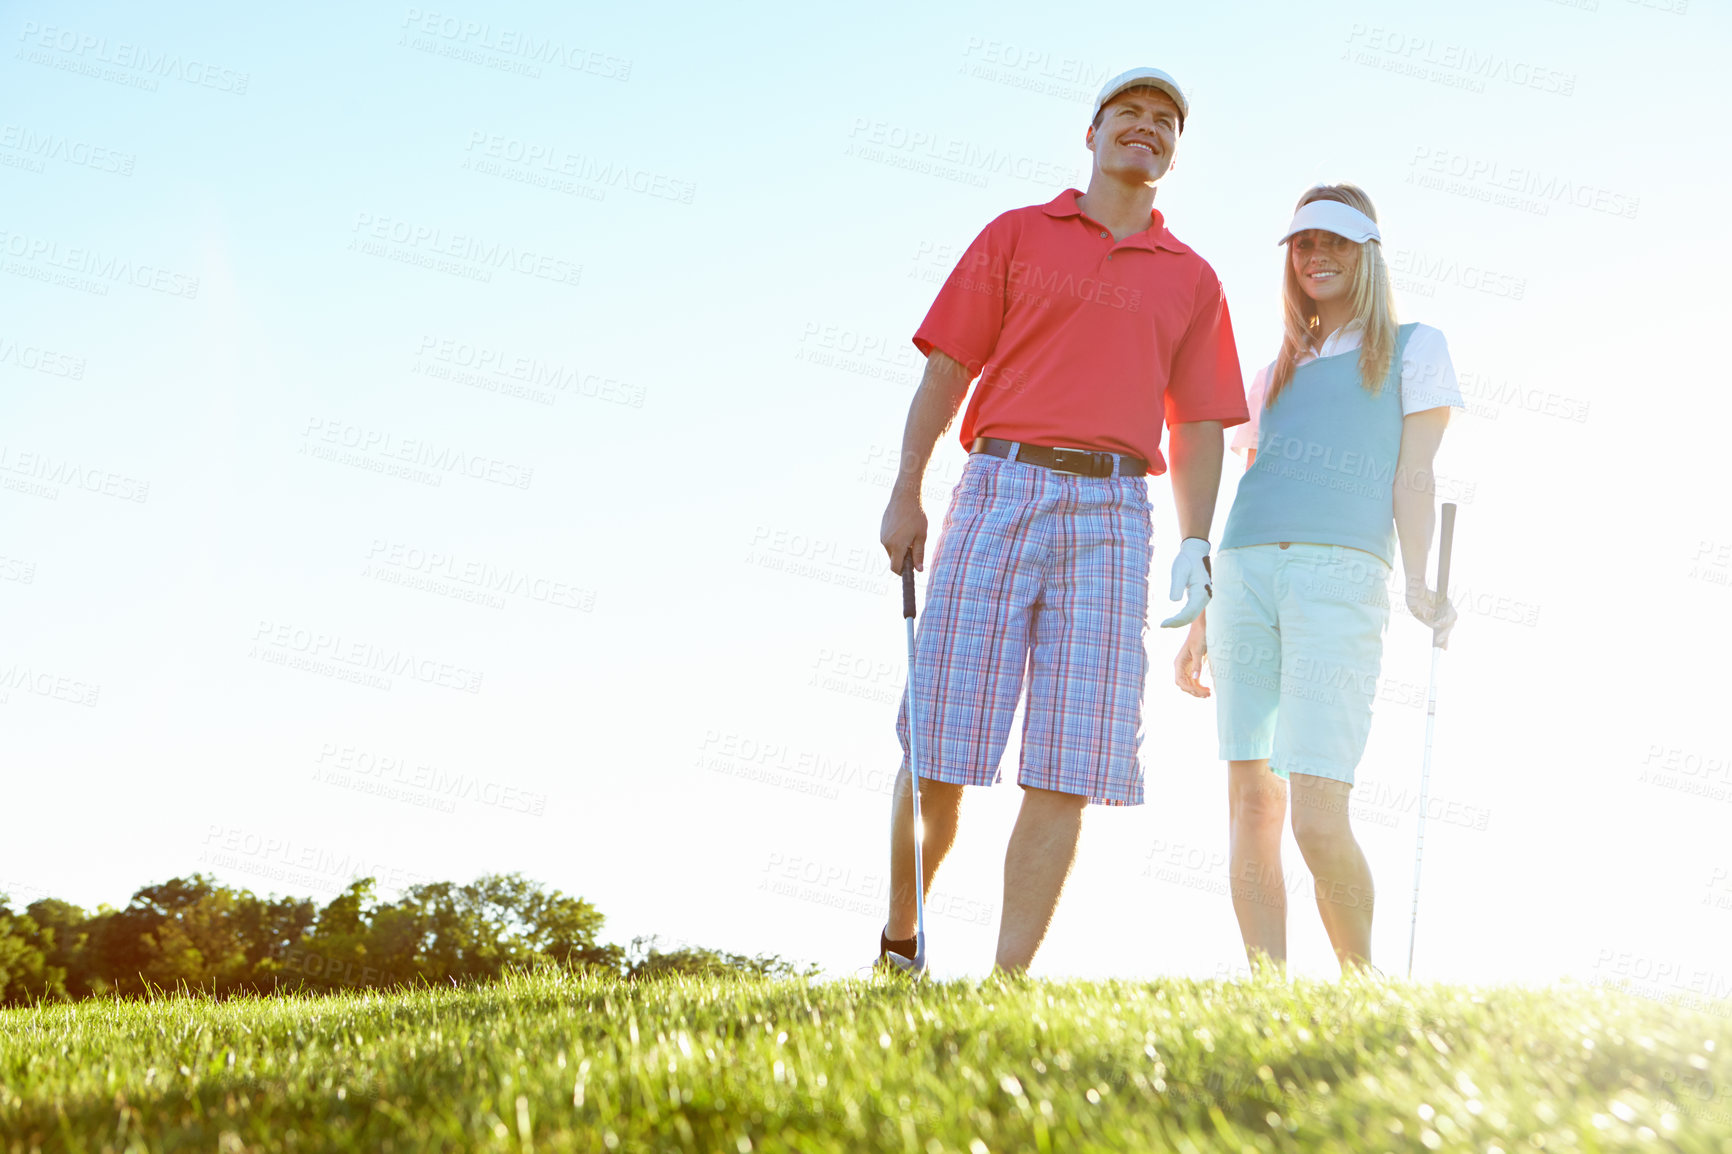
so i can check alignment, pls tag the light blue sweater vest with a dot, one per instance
(1326, 455)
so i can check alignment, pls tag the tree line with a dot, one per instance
(196, 933)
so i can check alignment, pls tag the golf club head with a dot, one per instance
(915, 966)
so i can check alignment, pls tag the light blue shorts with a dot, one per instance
(1295, 636)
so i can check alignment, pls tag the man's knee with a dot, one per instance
(1052, 801)
(933, 793)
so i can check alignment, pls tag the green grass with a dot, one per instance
(555, 1062)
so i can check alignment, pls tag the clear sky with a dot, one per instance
(440, 440)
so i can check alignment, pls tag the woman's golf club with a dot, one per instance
(1446, 537)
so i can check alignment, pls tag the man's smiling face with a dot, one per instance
(1135, 134)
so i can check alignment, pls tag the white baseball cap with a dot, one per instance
(1333, 216)
(1153, 77)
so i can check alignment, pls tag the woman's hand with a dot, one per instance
(1188, 665)
(1432, 609)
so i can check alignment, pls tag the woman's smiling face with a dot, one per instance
(1324, 263)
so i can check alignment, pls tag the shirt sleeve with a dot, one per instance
(968, 313)
(1206, 383)
(1245, 436)
(1427, 374)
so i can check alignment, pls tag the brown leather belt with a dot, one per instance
(1081, 462)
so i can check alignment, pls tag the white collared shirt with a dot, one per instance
(1427, 376)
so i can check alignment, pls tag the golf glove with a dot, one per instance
(1191, 580)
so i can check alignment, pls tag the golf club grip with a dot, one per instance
(908, 583)
(1445, 538)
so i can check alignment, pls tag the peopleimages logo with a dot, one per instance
(1496, 176)
(1352, 472)
(1033, 70)
(41, 467)
(1021, 279)
(1353, 464)
(1424, 56)
(1662, 975)
(402, 778)
(1040, 62)
(1479, 386)
(482, 576)
(37, 359)
(1414, 269)
(533, 372)
(237, 848)
(278, 643)
(881, 140)
(525, 46)
(554, 161)
(1090, 290)
(385, 446)
(58, 686)
(85, 51)
(373, 233)
(80, 154)
(95, 263)
(776, 763)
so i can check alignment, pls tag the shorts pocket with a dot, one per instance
(974, 477)
(1355, 575)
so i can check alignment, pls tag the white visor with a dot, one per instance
(1333, 216)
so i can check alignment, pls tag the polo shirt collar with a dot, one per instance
(1354, 329)
(1151, 238)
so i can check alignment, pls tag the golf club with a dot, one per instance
(917, 964)
(1445, 537)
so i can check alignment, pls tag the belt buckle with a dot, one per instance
(1059, 458)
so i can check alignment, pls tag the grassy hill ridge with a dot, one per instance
(554, 1061)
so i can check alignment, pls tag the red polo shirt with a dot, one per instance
(1078, 339)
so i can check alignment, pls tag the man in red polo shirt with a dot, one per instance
(1085, 326)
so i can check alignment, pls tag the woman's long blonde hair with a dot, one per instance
(1373, 304)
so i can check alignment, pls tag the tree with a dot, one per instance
(269, 929)
(646, 960)
(63, 937)
(182, 931)
(474, 931)
(196, 932)
(564, 930)
(339, 950)
(25, 973)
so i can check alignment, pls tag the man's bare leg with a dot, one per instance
(1256, 813)
(1344, 891)
(940, 802)
(1042, 849)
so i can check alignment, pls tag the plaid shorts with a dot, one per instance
(1050, 572)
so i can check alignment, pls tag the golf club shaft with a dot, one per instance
(914, 756)
(1446, 538)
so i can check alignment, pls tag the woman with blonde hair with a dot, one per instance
(1344, 426)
